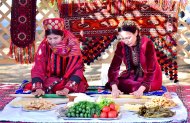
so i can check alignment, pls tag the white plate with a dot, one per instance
(18, 104)
(13, 106)
(159, 118)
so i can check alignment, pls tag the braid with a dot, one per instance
(138, 52)
(128, 58)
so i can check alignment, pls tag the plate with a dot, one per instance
(177, 106)
(27, 110)
(159, 118)
(18, 104)
(77, 118)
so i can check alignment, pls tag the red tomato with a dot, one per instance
(106, 109)
(95, 116)
(112, 114)
(104, 115)
(112, 106)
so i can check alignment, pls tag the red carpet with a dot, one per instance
(5, 90)
(183, 92)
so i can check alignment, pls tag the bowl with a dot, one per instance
(72, 96)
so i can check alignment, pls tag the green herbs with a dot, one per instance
(155, 112)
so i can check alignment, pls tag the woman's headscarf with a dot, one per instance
(69, 40)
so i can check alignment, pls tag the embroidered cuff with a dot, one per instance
(37, 85)
(36, 79)
(147, 86)
(72, 86)
(75, 78)
(112, 83)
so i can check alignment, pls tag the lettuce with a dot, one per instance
(103, 101)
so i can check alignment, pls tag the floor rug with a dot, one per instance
(5, 90)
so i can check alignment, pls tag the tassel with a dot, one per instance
(22, 55)
(70, 9)
(52, 2)
(59, 2)
(11, 50)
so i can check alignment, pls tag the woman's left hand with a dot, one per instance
(65, 92)
(137, 93)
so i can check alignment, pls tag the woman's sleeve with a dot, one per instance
(113, 72)
(151, 65)
(38, 71)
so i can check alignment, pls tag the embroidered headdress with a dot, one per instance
(53, 24)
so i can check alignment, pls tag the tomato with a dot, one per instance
(103, 115)
(106, 109)
(112, 106)
(112, 114)
(95, 116)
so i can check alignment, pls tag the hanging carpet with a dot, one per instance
(94, 23)
(23, 18)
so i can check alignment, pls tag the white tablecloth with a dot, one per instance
(16, 114)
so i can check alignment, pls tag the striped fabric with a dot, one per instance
(63, 65)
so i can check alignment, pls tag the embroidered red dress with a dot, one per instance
(150, 72)
(57, 71)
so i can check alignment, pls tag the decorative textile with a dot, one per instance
(134, 56)
(5, 90)
(23, 18)
(94, 23)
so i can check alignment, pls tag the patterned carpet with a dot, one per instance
(5, 90)
(183, 92)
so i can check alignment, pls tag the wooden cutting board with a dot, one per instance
(127, 99)
(122, 101)
(124, 96)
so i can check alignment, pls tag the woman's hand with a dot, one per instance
(38, 92)
(139, 93)
(167, 95)
(65, 92)
(115, 91)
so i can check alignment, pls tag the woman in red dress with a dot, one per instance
(143, 72)
(58, 66)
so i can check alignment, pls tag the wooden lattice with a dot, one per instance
(5, 16)
(184, 35)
